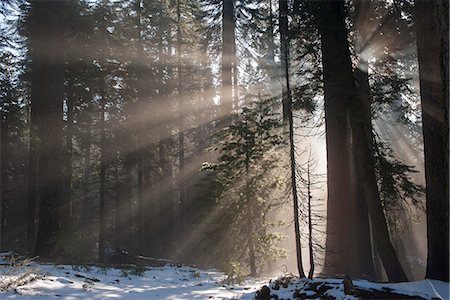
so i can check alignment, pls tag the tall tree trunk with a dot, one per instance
(337, 255)
(47, 91)
(340, 88)
(362, 263)
(228, 46)
(181, 179)
(32, 179)
(124, 194)
(432, 49)
(143, 239)
(85, 214)
(3, 169)
(103, 163)
(249, 202)
(310, 224)
(118, 209)
(287, 109)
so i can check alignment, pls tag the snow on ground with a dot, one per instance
(426, 289)
(166, 283)
(49, 281)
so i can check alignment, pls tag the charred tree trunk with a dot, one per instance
(432, 50)
(287, 109)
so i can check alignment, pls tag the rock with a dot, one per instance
(275, 285)
(263, 293)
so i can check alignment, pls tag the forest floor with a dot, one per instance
(33, 280)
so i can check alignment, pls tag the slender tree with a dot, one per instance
(287, 110)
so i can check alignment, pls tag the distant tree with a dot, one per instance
(245, 184)
(288, 117)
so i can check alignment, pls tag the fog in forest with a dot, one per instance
(255, 137)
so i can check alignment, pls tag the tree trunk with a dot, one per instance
(310, 225)
(181, 177)
(287, 109)
(248, 198)
(340, 87)
(67, 206)
(103, 163)
(432, 50)
(3, 168)
(228, 46)
(363, 261)
(32, 180)
(337, 255)
(85, 215)
(48, 92)
(118, 210)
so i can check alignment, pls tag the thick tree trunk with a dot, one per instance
(432, 49)
(287, 109)
(48, 92)
(363, 261)
(339, 85)
(338, 252)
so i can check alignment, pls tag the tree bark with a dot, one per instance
(103, 164)
(287, 109)
(339, 86)
(228, 48)
(32, 179)
(4, 126)
(181, 176)
(337, 255)
(48, 92)
(310, 225)
(432, 50)
(67, 205)
(363, 261)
